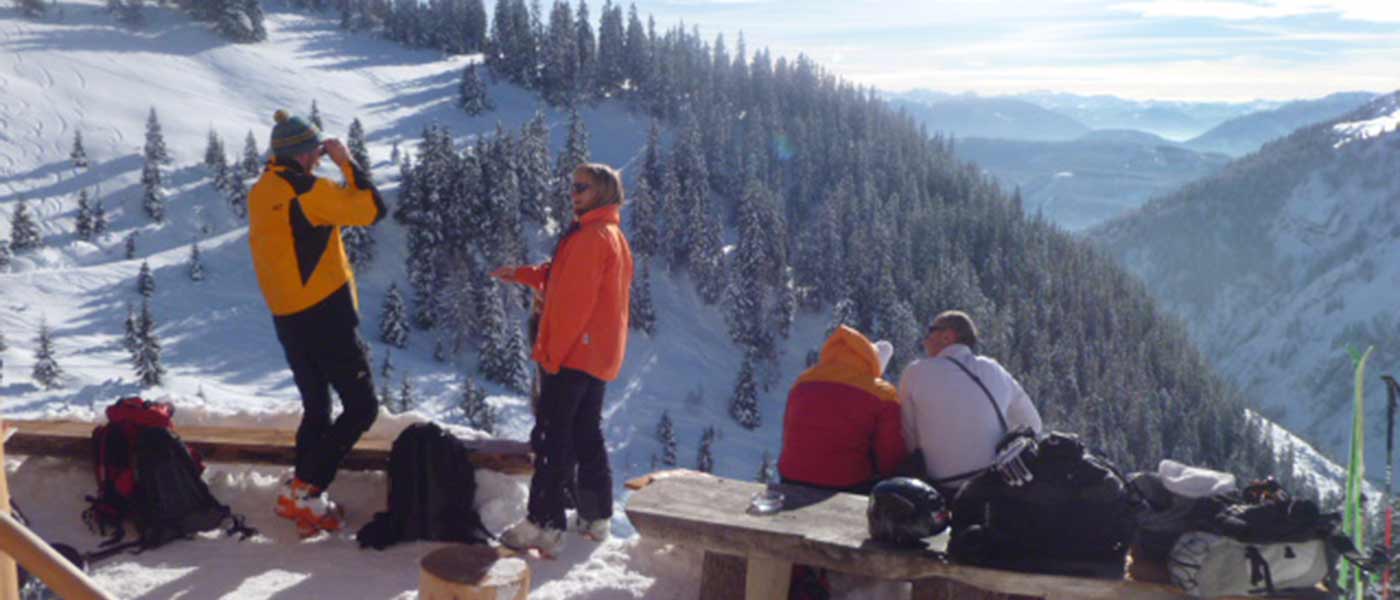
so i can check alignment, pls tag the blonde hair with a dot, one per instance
(608, 179)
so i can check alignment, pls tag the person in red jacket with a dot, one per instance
(581, 342)
(842, 429)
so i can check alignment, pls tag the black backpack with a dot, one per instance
(432, 485)
(1075, 516)
(170, 500)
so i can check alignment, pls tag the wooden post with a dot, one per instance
(722, 576)
(937, 588)
(9, 577)
(473, 572)
(767, 578)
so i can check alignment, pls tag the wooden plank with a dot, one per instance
(72, 439)
(767, 578)
(9, 573)
(828, 529)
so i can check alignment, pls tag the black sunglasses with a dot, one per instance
(580, 188)
(933, 328)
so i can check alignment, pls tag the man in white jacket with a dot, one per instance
(957, 405)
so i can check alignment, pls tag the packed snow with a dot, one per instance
(1369, 128)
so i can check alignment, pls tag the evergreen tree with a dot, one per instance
(359, 246)
(46, 370)
(252, 160)
(359, 151)
(99, 218)
(474, 99)
(743, 406)
(636, 52)
(238, 195)
(394, 154)
(407, 400)
(642, 311)
(196, 265)
(131, 331)
(5, 255)
(393, 319)
(257, 31)
(153, 197)
(130, 245)
(611, 72)
(315, 117)
(666, 435)
(386, 368)
(532, 169)
(502, 351)
(704, 460)
(24, 232)
(235, 20)
(78, 155)
(146, 358)
(765, 470)
(155, 150)
(575, 153)
(32, 9)
(559, 73)
(586, 72)
(645, 237)
(83, 224)
(213, 150)
(479, 414)
(145, 281)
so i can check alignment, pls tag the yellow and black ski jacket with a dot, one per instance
(294, 221)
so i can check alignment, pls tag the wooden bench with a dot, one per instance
(822, 529)
(252, 445)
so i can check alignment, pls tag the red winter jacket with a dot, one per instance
(842, 425)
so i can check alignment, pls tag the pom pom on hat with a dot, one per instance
(884, 350)
(293, 135)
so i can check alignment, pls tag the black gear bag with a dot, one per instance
(432, 487)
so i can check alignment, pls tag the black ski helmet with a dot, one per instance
(904, 510)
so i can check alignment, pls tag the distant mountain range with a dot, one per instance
(1244, 134)
(1003, 118)
(1283, 261)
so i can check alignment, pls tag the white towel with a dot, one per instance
(1194, 482)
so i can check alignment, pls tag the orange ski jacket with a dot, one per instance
(587, 291)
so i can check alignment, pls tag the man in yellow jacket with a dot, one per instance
(294, 221)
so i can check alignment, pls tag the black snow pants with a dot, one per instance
(568, 435)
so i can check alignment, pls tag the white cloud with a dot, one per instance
(1386, 11)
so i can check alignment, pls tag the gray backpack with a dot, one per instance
(1209, 565)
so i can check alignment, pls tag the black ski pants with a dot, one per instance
(568, 435)
(331, 357)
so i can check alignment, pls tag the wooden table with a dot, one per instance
(825, 529)
(73, 439)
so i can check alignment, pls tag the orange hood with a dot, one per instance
(849, 357)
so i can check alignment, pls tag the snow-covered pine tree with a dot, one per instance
(24, 232)
(559, 71)
(196, 269)
(704, 459)
(146, 359)
(765, 470)
(666, 435)
(743, 405)
(501, 348)
(252, 163)
(478, 413)
(394, 155)
(611, 52)
(99, 218)
(575, 153)
(46, 370)
(359, 246)
(78, 155)
(393, 319)
(386, 367)
(359, 150)
(130, 245)
(519, 358)
(645, 237)
(407, 400)
(842, 313)
(213, 150)
(532, 169)
(145, 280)
(155, 150)
(315, 116)
(233, 21)
(636, 52)
(257, 32)
(474, 99)
(642, 311)
(32, 9)
(585, 74)
(238, 194)
(5, 255)
(130, 331)
(153, 197)
(82, 224)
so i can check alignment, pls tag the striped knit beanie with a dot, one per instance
(293, 136)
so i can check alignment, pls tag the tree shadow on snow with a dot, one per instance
(89, 28)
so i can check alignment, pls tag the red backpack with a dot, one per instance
(113, 450)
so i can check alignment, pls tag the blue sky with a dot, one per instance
(1232, 50)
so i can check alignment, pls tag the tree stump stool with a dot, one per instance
(473, 572)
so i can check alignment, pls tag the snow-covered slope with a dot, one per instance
(1282, 262)
(84, 73)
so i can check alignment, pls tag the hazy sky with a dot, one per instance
(1168, 49)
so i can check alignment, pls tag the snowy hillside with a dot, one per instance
(84, 73)
(1281, 263)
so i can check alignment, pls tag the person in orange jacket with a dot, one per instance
(842, 426)
(580, 346)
